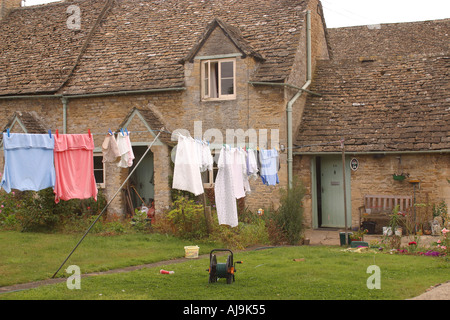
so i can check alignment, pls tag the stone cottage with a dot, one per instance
(385, 92)
(267, 67)
(145, 65)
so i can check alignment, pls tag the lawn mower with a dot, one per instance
(221, 270)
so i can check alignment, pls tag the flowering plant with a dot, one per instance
(443, 244)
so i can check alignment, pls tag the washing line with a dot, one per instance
(109, 202)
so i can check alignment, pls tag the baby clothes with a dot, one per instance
(269, 166)
(252, 163)
(110, 149)
(28, 162)
(74, 167)
(125, 150)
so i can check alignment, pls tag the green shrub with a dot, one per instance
(187, 219)
(37, 211)
(286, 224)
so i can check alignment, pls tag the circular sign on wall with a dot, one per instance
(354, 164)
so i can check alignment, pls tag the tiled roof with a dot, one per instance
(384, 90)
(138, 44)
(38, 50)
(392, 39)
(401, 105)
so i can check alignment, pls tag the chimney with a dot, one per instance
(7, 5)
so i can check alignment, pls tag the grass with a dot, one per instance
(322, 273)
(27, 257)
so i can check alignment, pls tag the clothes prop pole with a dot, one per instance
(107, 205)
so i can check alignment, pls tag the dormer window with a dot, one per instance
(218, 79)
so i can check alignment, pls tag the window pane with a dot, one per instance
(227, 86)
(214, 75)
(227, 69)
(98, 169)
(206, 78)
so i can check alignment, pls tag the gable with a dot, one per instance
(25, 122)
(221, 39)
(144, 124)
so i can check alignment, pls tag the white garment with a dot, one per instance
(186, 174)
(110, 149)
(224, 189)
(238, 163)
(125, 150)
(207, 158)
(252, 164)
(204, 156)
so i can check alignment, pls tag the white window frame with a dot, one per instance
(100, 185)
(206, 90)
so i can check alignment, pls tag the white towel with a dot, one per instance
(186, 174)
(224, 190)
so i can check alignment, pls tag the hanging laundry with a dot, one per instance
(252, 163)
(74, 167)
(125, 150)
(28, 162)
(186, 174)
(269, 166)
(205, 157)
(110, 149)
(239, 172)
(224, 189)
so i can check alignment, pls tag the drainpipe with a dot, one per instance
(290, 144)
(64, 102)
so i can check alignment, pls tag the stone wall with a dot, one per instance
(374, 177)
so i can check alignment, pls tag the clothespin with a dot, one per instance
(89, 132)
(110, 132)
(50, 133)
(121, 130)
(57, 133)
(126, 130)
(7, 131)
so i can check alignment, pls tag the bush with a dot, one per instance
(37, 211)
(286, 224)
(187, 219)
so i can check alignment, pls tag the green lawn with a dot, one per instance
(321, 273)
(27, 257)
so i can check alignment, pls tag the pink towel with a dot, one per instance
(74, 167)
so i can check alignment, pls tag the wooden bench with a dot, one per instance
(385, 204)
(377, 208)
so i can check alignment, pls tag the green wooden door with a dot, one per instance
(332, 192)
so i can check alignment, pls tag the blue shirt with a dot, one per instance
(269, 168)
(28, 162)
